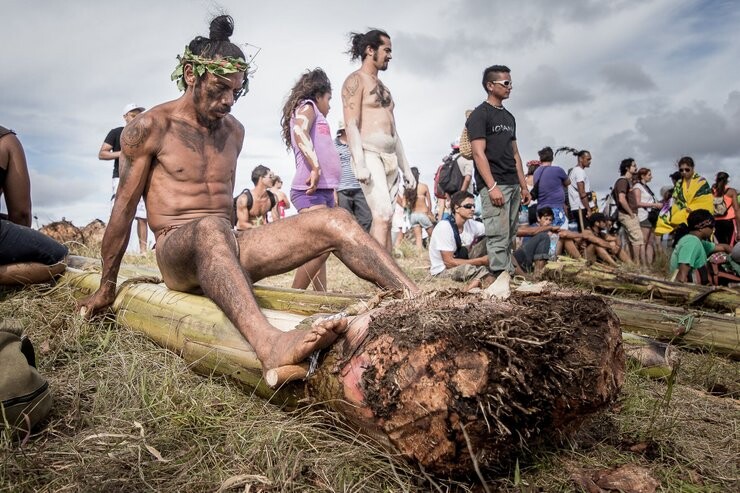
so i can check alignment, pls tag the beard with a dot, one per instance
(199, 95)
(375, 60)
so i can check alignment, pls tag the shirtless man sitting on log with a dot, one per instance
(377, 152)
(181, 155)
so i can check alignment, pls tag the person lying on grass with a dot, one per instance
(181, 155)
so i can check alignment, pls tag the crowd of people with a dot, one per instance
(628, 226)
(179, 159)
(528, 216)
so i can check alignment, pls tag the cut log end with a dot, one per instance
(284, 374)
(512, 374)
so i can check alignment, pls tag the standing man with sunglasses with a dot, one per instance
(498, 168)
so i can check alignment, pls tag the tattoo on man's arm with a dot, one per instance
(124, 166)
(349, 90)
(134, 134)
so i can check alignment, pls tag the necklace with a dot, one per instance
(493, 105)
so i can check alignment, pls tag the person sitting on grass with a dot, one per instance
(534, 253)
(600, 245)
(454, 249)
(692, 248)
(26, 256)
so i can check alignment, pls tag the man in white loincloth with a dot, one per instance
(377, 152)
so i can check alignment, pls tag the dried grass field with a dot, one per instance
(130, 416)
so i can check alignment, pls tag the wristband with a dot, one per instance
(492, 187)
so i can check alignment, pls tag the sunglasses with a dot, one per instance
(684, 170)
(505, 83)
(468, 206)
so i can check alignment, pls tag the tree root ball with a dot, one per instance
(448, 379)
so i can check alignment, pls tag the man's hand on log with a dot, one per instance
(97, 302)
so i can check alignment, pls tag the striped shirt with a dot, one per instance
(347, 181)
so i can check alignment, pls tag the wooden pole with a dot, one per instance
(680, 326)
(607, 280)
(406, 386)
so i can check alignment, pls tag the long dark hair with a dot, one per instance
(571, 150)
(358, 42)
(720, 185)
(409, 194)
(312, 84)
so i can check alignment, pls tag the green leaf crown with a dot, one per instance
(220, 67)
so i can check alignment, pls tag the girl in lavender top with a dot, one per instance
(306, 131)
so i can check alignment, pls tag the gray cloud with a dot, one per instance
(693, 130)
(627, 76)
(425, 55)
(732, 106)
(548, 88)
(59, 190)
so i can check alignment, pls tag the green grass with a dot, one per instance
(130, 416)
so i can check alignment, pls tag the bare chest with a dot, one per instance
(190, 155)
(377, 95)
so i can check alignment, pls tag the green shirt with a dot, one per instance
(692, 251)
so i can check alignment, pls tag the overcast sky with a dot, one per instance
(651, 79)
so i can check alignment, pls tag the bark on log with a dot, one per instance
(682, 327)
(420, 375)
(607, 280)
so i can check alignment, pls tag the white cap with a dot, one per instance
(131, 107)
(340, 126)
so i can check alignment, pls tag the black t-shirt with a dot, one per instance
(498, 127)
(113, 139)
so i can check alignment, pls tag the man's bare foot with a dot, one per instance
(487, 280)
(475, 283)
(292, 347)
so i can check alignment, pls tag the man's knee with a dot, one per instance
(382, 213)
(338, 218)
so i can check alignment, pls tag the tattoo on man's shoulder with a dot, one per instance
(135, 133)
(382, 95)
(351, 85)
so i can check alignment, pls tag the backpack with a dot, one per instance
(460, 250)
(720, 207)
(25, 398)
(250, 202)
(535, 192)
(450, 177)
(438, 192)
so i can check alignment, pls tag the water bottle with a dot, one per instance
(553, 245)
(524, 214)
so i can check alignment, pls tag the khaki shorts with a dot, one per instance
(632, 227)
